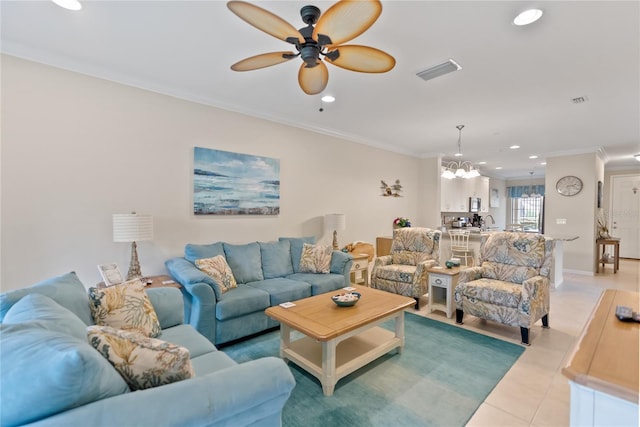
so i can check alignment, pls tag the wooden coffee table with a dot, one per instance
(325, 325)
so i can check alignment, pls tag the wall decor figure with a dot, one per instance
(227, 183)
(391, 190)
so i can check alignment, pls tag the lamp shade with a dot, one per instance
(132, 227)
(335, 222)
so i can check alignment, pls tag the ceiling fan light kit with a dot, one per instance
(322, 38)
(527, 17)
(439, 70)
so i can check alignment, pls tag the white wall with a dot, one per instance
(579, 210)
(76, 149)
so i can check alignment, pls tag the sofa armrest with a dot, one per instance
(341, 264)
(168, 305)
(245, 394)
(200, 293)
(470, 274)
(535, 300)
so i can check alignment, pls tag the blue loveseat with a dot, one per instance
(52, 376)
(267, 273)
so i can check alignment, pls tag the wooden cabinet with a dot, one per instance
(383, 246)
(455, 193)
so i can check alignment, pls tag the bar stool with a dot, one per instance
(460, 247)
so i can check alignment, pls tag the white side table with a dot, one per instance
(442, 282)
(361, 264)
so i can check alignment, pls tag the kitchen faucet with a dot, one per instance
(493, 221)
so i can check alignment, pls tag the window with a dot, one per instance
(528, 212)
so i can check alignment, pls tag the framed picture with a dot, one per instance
(110, 274)
(494, 200)
(226, 183)
(599, 194)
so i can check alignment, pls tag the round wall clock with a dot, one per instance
(569, 185)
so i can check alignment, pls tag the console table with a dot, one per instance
(603, 243)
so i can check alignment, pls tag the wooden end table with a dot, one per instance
(615, 242)
(325, 325)
(361, 264)
(446, 279)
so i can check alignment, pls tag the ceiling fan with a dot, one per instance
(342, 22)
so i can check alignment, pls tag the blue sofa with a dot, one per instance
(267, 273)
(52, 376)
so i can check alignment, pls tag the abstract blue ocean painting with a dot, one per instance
(226, 183)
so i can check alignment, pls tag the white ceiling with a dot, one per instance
(515, 87)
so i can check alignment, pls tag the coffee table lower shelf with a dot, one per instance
(334, 359)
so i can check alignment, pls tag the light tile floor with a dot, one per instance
(534, 392)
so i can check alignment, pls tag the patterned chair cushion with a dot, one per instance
(507, 272)
(397, 273)
(411, 246)
(315, 259)
(219, 270)
(493, 291)
(124, 306)
(143, 362)
(523, 249)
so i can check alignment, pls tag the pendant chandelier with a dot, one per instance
(459, 169)
(531, 193)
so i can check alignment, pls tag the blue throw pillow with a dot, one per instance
(49, 314)
(244, 261)
(46, 372)
(276, 259)
(67, 290)
(194, 252)
(296, 249)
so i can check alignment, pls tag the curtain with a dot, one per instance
(519, 190)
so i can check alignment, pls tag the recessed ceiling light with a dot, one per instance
(499, 167)
(328, 98)
(482, 163)
(533, 157)
(543, 163)
(514, 147)
(637, 156)
(527, 17)
(68, 4)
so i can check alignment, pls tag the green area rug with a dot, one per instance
(442, 376)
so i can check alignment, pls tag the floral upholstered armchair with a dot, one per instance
(511, 285)
(404, 271)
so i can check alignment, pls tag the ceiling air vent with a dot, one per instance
(580, 99)
(439, 70)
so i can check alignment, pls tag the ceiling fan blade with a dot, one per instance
(347, 19)
(313, 80)
(266, 21)
(262, 61)
(364, 59)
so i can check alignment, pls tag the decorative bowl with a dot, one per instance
(346, 299)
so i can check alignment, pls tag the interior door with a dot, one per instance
(625, 213)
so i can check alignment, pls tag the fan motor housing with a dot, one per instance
(310, 14)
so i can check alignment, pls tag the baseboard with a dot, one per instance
(580, 272)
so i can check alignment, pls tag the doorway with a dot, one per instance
(625, 213)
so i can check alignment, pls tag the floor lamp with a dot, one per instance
(132, 228)
(335, 222)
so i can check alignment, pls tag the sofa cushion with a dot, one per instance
(508, 272)
(186, 336)
(240, 301)
(219, 270)
(282, 290)
(168, 304)
(48, 313)
(45, 372)
(320, 283)
(296, 249)
(244, 261)
(124, 306)
(194, 252)
(142, 361)
(396, 272)
(211, 362)
(276, 259)
(315, 259)
(67, 290)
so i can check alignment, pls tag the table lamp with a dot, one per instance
(335, 222)
(132, 228)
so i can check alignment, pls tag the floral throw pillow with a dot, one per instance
(219, 270)
(143, 362)
(125, 306)
(315, 259)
